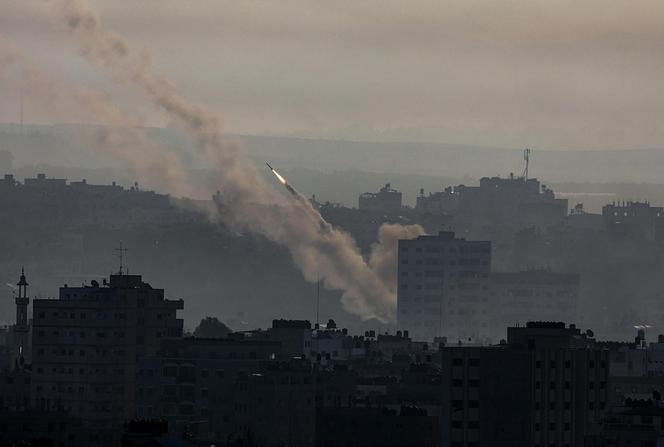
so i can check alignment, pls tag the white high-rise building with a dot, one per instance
(443, 288)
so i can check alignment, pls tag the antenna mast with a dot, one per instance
(526, 158)
(121, 252)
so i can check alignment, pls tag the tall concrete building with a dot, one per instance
(86, 345)
(443, 287)
(546, 387)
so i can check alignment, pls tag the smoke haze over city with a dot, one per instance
(311, 224)
(481, 73)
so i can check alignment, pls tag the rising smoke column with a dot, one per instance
(122, 135)
(249, 204)
(384, 252)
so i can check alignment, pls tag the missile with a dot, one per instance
(287, 185)
(281, 178)
(324, 226)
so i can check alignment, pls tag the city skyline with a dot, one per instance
(347, 224)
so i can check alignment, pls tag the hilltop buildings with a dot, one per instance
(506, 201)
(386, 200)
(634, 219)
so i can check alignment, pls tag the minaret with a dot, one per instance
(21, 327)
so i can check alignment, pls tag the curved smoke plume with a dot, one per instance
(122, 134)
(248, 203)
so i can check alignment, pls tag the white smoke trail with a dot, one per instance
(249, 204)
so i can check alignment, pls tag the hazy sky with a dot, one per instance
(550, 74)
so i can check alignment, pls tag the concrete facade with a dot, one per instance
(443, 287)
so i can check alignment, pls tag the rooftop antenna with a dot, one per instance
(121, 252)
(526, 158)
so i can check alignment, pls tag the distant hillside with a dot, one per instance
(338, 170)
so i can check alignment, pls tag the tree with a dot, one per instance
(211, 327)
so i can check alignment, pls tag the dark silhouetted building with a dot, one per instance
(637, 422)
(547, 386)
(442, 202)
(634, 219)
(42, 429)
(192, 383)
(151, 433)
(87, 343)
(361, 427)
(514, 201)
(386, 200)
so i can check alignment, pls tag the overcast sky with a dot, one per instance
(550, 74)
